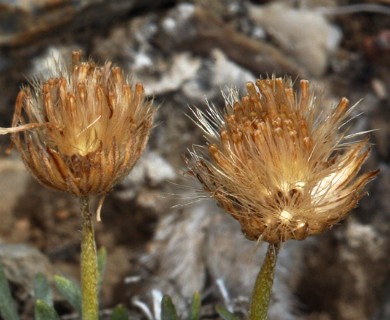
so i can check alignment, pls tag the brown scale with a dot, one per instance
(231, 122)
(225, 141)
(277, 122)
(256, 107)
(117, 75)
(304, 132)
(290, 95)
(257, 123)
(238, 110)
(268, 97)
(219, 157)
(248, 126)
(289, 124)
(239, 147)
(62, 88)
(253, 105)
(304, 98)
(258, 138)
(250, 87)
(81, 93)
(237, 138)
(255, 117)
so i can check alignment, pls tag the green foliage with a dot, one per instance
(44, 311)
(70, 290)
(120, 313)
(42, 290)
(168, 311)
(195, 307)
(225, 314)
(7, 305)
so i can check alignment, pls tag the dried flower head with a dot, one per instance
(279, 163)
(92, 127)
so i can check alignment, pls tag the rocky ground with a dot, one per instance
(185, 52)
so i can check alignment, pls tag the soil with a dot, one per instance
(182, 49)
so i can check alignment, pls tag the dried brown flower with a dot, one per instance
(92, 127)
(279, 163)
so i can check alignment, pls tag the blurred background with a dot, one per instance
(160, 238)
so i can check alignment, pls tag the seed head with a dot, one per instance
(280, 163)
(92, 126)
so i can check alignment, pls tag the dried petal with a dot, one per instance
(279, 163)
(85, 119)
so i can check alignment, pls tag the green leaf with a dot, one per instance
(102, 262)
(225, 314)
(7, 305)
(168, 311)
(120, 313)
(42, 290)
(44, 311)
(195, 307)
(70, 290)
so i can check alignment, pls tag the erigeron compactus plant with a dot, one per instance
(80, 131)
(282, 165)
(277, 161)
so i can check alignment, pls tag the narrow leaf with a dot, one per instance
(225, 314)
(195, 307)
(168, 311)
(7, 305)
(70, 290)
(44, 311)
(42, 290)
(102, 262)
(120, 313)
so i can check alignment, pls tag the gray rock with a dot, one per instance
(23, 22)
(151, 169)
(217, 74)
(200, 242)
(21, 264)
(296, 32)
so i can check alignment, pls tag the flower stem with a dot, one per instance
(89, 273)
(262, 290)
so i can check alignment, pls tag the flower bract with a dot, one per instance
(280, 162)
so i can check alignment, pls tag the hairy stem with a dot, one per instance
(89, 271)
(263, 287)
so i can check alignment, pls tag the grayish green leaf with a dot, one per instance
(120, 313)
(42, 290)
(70, 290)
(7, 305)
(168, 311)
(195, 307)
(44, 311)
(225, 314)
